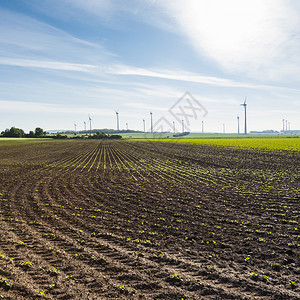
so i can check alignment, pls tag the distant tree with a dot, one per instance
(98, 135)
(30, 134)
(115, 136)
(5, 132)
(59, 136)
(13, 132)
(39, 132)
(101, 135)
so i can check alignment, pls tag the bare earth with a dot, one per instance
(147, 220)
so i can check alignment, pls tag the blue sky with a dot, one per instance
(62, 60)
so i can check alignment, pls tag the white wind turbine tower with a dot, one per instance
(117, 114)
(245, 107)
(90, 120)
(75, 127)
(151, 123)
(84, 125)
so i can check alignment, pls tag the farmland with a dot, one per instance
(265, 143)
(149, 220)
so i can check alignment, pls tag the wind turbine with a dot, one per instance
(90, 120)
(173, 127)
(75, 127)
(182, 122)
(151, 129)
(144, 125)
(202, 127)
(84, 125)
(245, 107)
(117, 114)
(127, 126)
(282, 124)
(238, 121)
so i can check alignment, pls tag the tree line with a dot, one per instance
(40, 133)
(18, 132)
(103, 135)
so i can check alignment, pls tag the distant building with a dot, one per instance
(271, 131)
(290, 132)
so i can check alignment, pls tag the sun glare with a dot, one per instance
(231, 30)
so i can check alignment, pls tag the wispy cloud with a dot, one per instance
(180, 75)
(144, 106)
(55, 65)
(35, 107)
(33, 39)
(272, 112)
(113, 13)
(117, 69)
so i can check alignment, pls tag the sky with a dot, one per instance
(191, 63)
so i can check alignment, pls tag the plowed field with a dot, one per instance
(147, 220)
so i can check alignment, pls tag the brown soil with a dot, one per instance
(145, 220)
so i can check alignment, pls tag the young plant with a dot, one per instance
(292, 284)
(254, 276)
